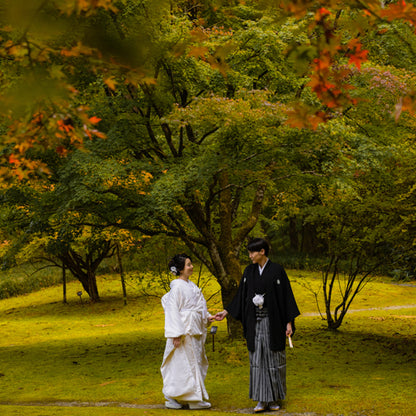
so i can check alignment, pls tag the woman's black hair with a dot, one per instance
(257, 244)
(177, 263)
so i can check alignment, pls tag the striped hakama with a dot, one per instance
(267, 367)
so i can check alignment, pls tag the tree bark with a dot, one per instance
(64, 282)
(224, 245)
(121, 271)
(84, 269)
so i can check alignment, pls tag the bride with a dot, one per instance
(185, 364)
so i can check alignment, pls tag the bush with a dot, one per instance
(25, 278)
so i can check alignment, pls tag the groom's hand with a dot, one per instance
(221, 315)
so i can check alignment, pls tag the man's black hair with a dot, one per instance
(256, 244)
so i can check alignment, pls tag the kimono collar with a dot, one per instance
(262, 268)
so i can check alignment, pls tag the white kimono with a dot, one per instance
(184, 368)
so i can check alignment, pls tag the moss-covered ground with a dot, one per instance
(103, 359)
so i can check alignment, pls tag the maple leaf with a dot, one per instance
(322, 63)
(111, 83)
(78, 50)
(297, 8)
(321, 14)
(198, 51)
(61, 150)
(302, 116)
(358, 55)
(14, 161)
(321, 85)
(94, 120)
(99, 134)
(198, 34)
(65, 125)
(400, 10)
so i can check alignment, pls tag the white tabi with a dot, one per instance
(184, 368)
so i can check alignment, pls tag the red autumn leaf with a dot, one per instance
(321, 14)
(94, 120)
(358, 55)
(322, 63)
(14, 161)
(61, 150)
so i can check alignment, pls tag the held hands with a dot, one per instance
(178, 340)
(220, 315)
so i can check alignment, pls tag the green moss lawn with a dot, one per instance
(103, 359)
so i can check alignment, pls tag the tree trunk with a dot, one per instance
(64, 282)
(224, 245)
(234, 327)
(293, 235)
(89, 283)
(120, 267)
(83, 271)
(84, 268)
(92, 285)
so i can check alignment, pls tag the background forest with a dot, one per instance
(133, 129)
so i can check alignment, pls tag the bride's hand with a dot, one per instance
(177, 342)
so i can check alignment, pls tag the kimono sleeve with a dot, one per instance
(291, 309)
(236, 307)
(174, 326)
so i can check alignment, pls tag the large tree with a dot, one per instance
(214, 145)
(195, 102)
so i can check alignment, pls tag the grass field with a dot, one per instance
(104, 358)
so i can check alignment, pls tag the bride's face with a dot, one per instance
(188, 269)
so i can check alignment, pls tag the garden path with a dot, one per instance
(150, 406)
(384, 308)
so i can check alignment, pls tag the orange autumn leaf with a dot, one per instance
(302, 116)
(357, 55)
(297, 9)
(77, 50)
(94, 120)
(111, 83)
(14, 161)
(61, 150)
(198, 51)
(322, 63)
(65, 125)
(99, 134)
(400, 10)
(198, 34)
(321, 14)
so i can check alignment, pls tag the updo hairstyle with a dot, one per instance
(177, 263)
